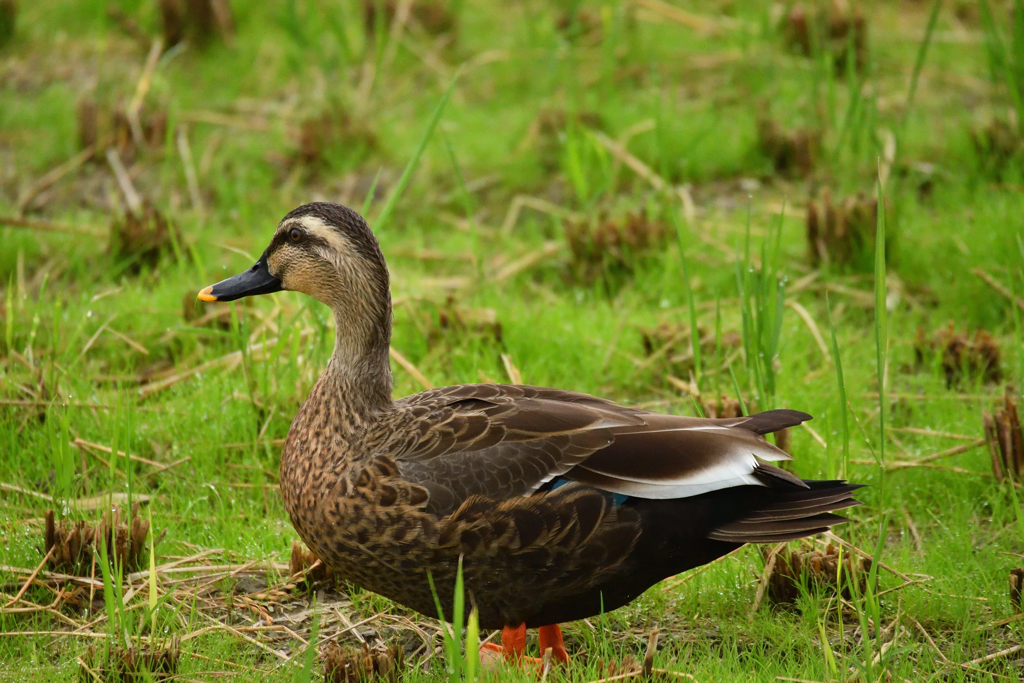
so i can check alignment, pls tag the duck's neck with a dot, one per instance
(357, 380)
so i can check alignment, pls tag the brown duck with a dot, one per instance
(560, 504)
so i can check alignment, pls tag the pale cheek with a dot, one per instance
(314, 280)
(295, 283)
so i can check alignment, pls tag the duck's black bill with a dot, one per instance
(256, 280)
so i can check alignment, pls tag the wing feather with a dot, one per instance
(502, 441)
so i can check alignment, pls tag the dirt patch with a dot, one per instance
(75, 546)
(1005, 439)
(999, 144)
(142, 237)
(133, 664)
(842, 231)
(334, 129)
(204, 21)
(343, 664)
(817, 570)
(962, 356)
(794, 152)
(435, 17)
(605, 242)
(833, 27)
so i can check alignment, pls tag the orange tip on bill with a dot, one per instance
(206, 294)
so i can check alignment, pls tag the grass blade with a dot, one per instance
(881, 321)
(718, 349)
(922, 52)
(453, 658)
(739, 393)
(467, 203)
(369, 195)
(830, 658)
(305, 674)
(153, 598)
(472, 646)
(1017, 328)
(403, 181)
(844, 426)
(694, 332)
(9, 322)
(458, 611)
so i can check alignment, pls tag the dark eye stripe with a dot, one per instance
(279, 239)
(308, 241)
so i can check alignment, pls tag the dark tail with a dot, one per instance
(792, 514)
(769, 421)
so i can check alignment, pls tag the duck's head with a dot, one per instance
(328, 252)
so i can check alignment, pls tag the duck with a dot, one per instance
(557, 505)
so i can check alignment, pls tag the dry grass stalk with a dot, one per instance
(75, 544)
(28, 197)
(669, 340)
(134, 664)
(830, 26)
(8, 20)
(1005, 439)
(343, 664)
(612, 669)
(87, 115)
(1017, 589)
(793, 152)
(652, 648)
(816, 570)
(142, 237)
(784, 440)
(601, 242)
(962, 356)
(842, 232)
(999, 287)
(47, 226)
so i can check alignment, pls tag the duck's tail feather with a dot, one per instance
(770, 421)
(794, 514)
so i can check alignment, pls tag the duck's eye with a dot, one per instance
(295, 235)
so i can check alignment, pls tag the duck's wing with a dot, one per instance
(677, 457)
(502, 442)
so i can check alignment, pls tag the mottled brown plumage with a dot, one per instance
(560, 504)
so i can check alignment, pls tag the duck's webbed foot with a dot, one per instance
(513, 646)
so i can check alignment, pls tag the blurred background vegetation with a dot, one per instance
(673, 204)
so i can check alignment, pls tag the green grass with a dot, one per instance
(87, 337)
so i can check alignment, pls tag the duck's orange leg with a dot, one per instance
(551, 636)
(513, 644)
